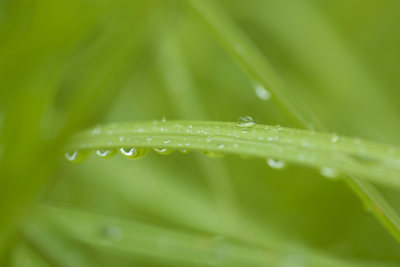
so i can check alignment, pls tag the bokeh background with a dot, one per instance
(66, 65)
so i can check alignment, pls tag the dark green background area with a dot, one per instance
(66, 65)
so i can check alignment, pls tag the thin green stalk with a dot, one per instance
(254, 63)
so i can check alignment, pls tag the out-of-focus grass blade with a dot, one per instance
(157, 244)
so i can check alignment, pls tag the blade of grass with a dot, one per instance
(376, 162)
(177, 247)
(254, 63)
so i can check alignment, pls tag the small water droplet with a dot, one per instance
(168, 141)
(329, 172)
(105, 153)
(133, 153)
(163, 151)
(184, 151)
(96, 131)
(220, 146)
(335, 138)
(245, 121)
(261, 92)
(164, 119)
(77, 156)
(273, 138)
(276, 164)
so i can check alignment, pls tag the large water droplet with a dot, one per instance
(163, 151)
(329, 172)
(245, 121)
(261, 92)
(276, 164)
(77, 155)
(133, 153)
(105, 153)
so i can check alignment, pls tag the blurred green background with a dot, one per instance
(66, 65)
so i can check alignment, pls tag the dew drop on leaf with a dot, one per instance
(105, 153)
(245, 121)
(276, 164)
(184, 151)
(163, 151)
(335, 139)
(261, 92)
(133, 153)
(76, 156)
(329, 172)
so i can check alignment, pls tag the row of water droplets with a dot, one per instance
(128, 152)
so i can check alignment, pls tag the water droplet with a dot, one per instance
(184, 151)
(261, 92)
(96, 131)
(77, 156)
(329, 172)
(276, 164)
(245, 121)
(105, 153)
(168, 141)
(273, 138)
(163, 151)
(164, 119)
(133, 153)
(220, 146)
(335, 139)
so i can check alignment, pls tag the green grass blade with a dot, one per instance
(376, 162)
